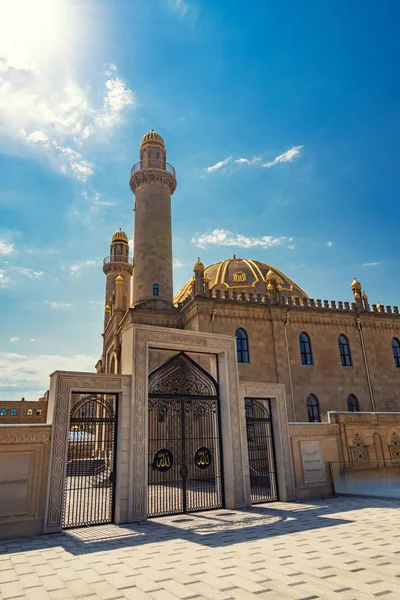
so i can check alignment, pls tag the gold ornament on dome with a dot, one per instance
(378, 305)
(356, 285)
(239, 277)
(356, 296)
(270, 287)
(107, 309)
(365, 297)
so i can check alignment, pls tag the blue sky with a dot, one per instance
(299, 101)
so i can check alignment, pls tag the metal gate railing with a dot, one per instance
(184, 461)
(261, 451)
(90, 474)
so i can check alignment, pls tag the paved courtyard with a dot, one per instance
(341, 548)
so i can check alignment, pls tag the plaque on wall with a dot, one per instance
(15, 473)
(163, 460)
(313, 462)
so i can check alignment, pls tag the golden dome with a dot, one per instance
(357, 296)
(119, 280)
(107, 309)
(152, 138)
(243, 275)
(119, 236)
(356, 285)
(198, 266)
(365, 297)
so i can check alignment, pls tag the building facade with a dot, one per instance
(239, 390)
(329, 355)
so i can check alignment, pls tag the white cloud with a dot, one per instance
(287, 156)
(30, 273)
(43, 108)
(130, 243)
(32, 340)
(4, 279)
(371, 264)
(246, 161)
(218, 165)
(180, 6)
(28, 376)
(57, 304)
(78, 266)
(329, 244)
(6, 248)
(178, 264)
(222, 237)
(14, 339)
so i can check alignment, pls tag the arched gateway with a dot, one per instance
(184, 441)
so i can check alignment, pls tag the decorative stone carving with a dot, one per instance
(145, 176)
(25, 438)
(304, 431)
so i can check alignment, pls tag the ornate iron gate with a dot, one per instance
(90, 476)
(261, 451)
(184, 462)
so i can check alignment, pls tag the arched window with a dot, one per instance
(3, 412)
(155, 289)
(242, 346)
(13, 412)
(396, 352)
(29, 412)
(344, 350)
(38, 412)
(305, 349)
(313, 409)
(352, 403)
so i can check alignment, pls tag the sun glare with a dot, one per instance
(33, 33)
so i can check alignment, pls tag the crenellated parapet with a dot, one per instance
(270, 299)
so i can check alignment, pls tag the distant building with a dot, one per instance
(24, 411)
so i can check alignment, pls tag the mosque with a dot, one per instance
(330, 356)
(238, 390)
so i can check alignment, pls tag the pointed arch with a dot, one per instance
(359, 449)
(181, 375)
(344, 351)
(313, 409)
(394, 446)
(352, 404)
(242, 346)
(93, 405)
(305, 349)
(396, 352)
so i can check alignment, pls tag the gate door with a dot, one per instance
(89, 481)
(184, 459)
(261, 451)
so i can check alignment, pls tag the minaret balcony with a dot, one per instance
(117, 259)
(153, 163)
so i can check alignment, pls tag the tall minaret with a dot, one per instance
(153, 182)
(118, 263)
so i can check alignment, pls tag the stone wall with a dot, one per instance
(274, 352)
(24, 461)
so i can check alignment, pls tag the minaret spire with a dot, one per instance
(153, 182)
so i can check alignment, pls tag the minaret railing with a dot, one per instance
(153, 163)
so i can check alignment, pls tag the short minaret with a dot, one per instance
(198, 279)
(356, 288)
(114, 265)
(153, 182)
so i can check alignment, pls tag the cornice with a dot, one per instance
(146, 176)
(25, 438)
(117, 267)
(299, 430)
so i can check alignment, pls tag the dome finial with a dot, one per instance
(198, 266)
(356, 285)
